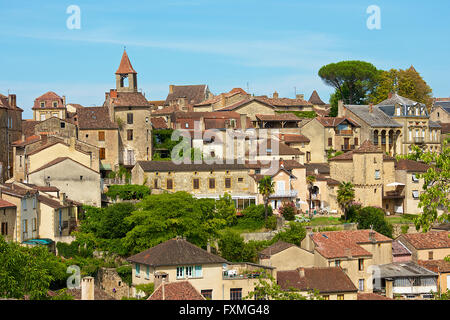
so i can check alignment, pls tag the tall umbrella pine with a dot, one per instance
(266, 188)
(345, 196)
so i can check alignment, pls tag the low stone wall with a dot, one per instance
(109, 280)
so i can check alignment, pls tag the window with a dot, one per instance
(189, 272)
(377, 175)
(25, 228)
(330, 142)
(430, 255)
(196, 184)
(129, 134)
(169, 184)
(180, 272)
(34, 224)
(308, 156)
(236, 294)
(340, 297)
(55, 104)
(63, 125)
(24, 204)
(4, 228)
(228, 183)
(326, 297)
(360, 264)
(212, 183)
(207, 294)
(155, 183)
(361, 284)
(337, 263)
(146, 119)
(81, 178)
(356, 141)
(198, 272)
(138, 269)
(102, 153)
(101, 136)
(42, 104)
(240, 179)
(129, 118)
(415, 194)
(414, 178)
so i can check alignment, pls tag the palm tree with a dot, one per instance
(266, 188)
(345, 196)
(310, 181)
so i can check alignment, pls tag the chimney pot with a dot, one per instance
(12, 100)
(87, 288)
(171, 88)
(275, 95)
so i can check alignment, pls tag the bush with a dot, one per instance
(294, 234)
(405, 228)
(271, 222)
(147, 288)
(125, 272)
(128, 192)
(374, 217)
(256, 212)
(288, 211)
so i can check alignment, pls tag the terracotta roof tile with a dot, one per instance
(315, 99)
(325, 280)
(411, 166)
(438, 266)
(95, 118)
(277, 247)
(429, 240)
(193, 93)
(5, 204)
(293, 138)
(159, 123)
(128, 99)
(180, 290)
(125, 66)
(341, 244)
(278, 117)
(399, 249)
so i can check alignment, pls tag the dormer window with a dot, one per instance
(42, 104)
(55, 104)
(399, 111)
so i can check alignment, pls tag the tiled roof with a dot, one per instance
(244, 102)
(4, 104)
(445, 128)
(193, 93)
(403, 269)
(218, 98)
(411, 165)
(125, 66)
(341, 244)
(288, 165)
(322, 168)
(278, 117)
(163, 166)
(371, 296)
(16, 190)
(429, 240)
(49, 97)
(325, 280)
(334, 122)
(180, 290)
(28, 140)
(159, 123)
(283, 102)
(438, 266)
(28, 127)
(52, 203)
(128, 99)
(5, 204)
(277, 247)
(95, 118)
(399, 249)
(366, 147)
(322, 112)
(377, 118)
(315, 99)
(175, 252)
(293, 138)
(283, 149)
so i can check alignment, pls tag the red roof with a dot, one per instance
(341, 244)
(429, 240)
(125, 66)
(180, 290)
(5, 204)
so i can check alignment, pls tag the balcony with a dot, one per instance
(284, 194)
(393, 195)
(344, 132)
(419, 140)
(347, 147)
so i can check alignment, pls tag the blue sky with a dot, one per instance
(266, 45)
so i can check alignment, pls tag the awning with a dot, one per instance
(395, 184)
(105, 167)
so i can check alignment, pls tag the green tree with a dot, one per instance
(436, 188)
(352, 80)
(295, 233)
(164, 216)
(371, 217)
(310, 182)
(288, 211)
(28, 271)
(345, 196)
(266, 188)
(226, 210)
(407, 83)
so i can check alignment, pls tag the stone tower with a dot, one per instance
(126, 76)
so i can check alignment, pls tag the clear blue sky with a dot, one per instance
(267, 44)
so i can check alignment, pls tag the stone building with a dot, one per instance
(130, 110)
(8, 216)
(49, 105)
(10, 131)
(441, 110)
(372, 173)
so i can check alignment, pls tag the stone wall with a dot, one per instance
(109, 280)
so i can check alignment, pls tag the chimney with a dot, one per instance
(12, 100)
(223, 100)
(340, 108)
(300, 96)
(163, 291)
(62, 197)
(275, 95)
(243, 118)
(72, 143)
(113, 93)
(372, 236)
(301, 272)
(64, 100)
(43, 139)
(389, 288)
(390, 95)
(371, 108)
(87, 288)
(171, 88)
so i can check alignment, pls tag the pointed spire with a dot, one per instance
(315, 99)
(125, 65)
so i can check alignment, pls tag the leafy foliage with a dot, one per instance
(128, 192)
(301, 114)
(266, 188)
(294, 234)
(374, 217)
(288, 211)
(345, 196)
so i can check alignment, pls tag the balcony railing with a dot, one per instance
(347, 147)
(284, 194)
(419, 140)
